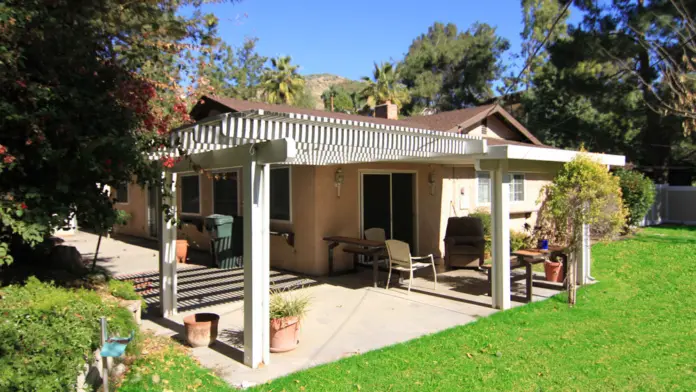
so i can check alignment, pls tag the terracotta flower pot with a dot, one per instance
(201, 329)
(554, 271)
(181, 250)
(284, 334)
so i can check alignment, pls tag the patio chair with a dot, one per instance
(464, 242)
(400, 259)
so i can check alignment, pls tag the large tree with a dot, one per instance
(447, 69)
(601, 82)
(88, 89)
(282, 83)
(232, 72)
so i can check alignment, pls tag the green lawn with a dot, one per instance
(635, 330)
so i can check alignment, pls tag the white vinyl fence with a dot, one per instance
(673, 204)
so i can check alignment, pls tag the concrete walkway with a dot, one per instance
(347, 315)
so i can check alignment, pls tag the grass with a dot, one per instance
(167, 366)
(635, 330)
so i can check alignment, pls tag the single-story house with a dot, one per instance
(311, 174)
(411, 201)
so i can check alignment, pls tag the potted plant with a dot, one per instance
(201, 329)
(286, 313)
(182, 244)
(553, 270)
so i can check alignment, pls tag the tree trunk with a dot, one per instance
(332, 103)
(96, 253)
(570, 279)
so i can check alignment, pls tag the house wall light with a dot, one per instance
(338, 181)
(431, 182)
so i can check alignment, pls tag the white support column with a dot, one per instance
(256, 262)
(500, 230)
(167, 249)
(583, 257)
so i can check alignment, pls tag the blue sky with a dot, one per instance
(346, 37)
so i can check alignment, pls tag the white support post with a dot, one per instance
(500, 222)
(583, 257)
(256, 263)
(167, 249)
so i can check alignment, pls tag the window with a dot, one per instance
(225, 193)
(483, 184)
(122, 193)
(483, 181)
(280, 193)
(190, 195)
(516, 187)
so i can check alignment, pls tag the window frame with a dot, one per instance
(511, 174)
(524, 187)
(237, 170)
(181, 194)
(476, 175)
(118, 194)
(289, 220)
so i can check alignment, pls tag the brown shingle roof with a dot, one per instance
(447, 121)
(240, 105)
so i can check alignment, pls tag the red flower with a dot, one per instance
(21, 84)
(3, 149)
(107, 162)
(24, 206)
(8, 159)
(28, 142)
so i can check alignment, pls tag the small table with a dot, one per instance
(529, 257)
(373, 247)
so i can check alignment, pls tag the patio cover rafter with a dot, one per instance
(322, 140)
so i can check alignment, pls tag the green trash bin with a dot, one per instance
(226, 244)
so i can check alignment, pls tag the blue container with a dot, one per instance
(545, 244)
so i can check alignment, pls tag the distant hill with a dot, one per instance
(318, 83)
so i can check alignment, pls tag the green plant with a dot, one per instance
(285, 303)
(520, 240)
(638, 194)
(582, 193)
(47, 333)
(123, 289)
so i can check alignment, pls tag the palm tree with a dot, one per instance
(282, 83)
(384, 86)
(329, 95)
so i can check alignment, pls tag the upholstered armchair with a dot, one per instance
(464, 243)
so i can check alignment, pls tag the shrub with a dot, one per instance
(518, 240)
(485, 217)
(638, 194)
(47, 333)
(123, 289)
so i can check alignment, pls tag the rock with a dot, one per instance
(67, 258)
(118, 370)
(135, 307)
(96, 278)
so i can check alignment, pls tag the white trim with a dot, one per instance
(200, 194)
(416, 206)
(547, 154)
(237, 170)
(290, 207)
(477, 203)
(524, 188)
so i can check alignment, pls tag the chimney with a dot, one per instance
(388, 110)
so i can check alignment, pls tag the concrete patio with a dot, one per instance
(347, 315)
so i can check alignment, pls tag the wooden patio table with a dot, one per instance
(371, 248)
(529, 257)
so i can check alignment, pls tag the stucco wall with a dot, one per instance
(137, 209)
(317, 211)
